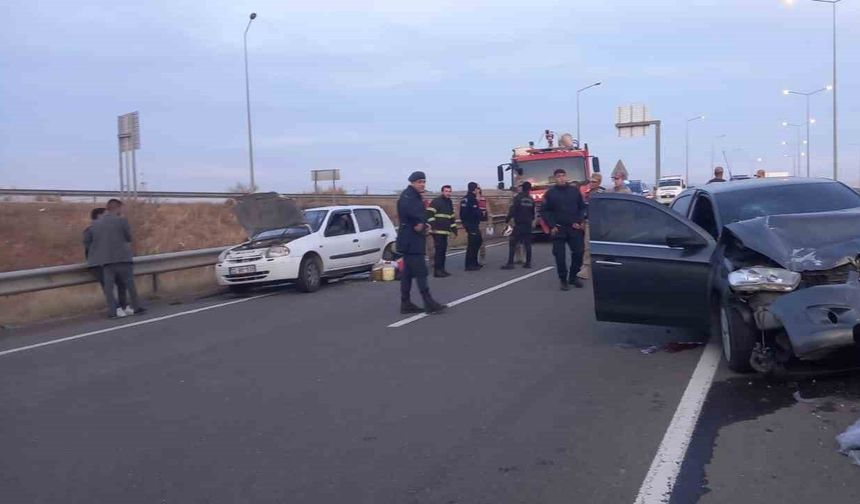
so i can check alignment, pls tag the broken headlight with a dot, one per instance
(277, 251)
(764, 279)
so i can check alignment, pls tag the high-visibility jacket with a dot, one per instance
(440, 216)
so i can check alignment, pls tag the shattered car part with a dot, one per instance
(849, 442)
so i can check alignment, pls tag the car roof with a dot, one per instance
(344, 207)
(752, 184)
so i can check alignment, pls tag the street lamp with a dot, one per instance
(687, 146)
(809, 120)
(797, 143)
(577, 107)
(253, 187)
(835, 115)
(713, 146)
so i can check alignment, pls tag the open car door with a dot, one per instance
(649, 264)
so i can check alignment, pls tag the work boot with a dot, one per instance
(527, 266)
(473, 268)
(408, 308)
(445, 274)
(564, 285)
(430, 304)
(508, 266)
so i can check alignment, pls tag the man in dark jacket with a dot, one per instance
(440, 215)
(412, 244)
(522, 212)
(121, 289)
(470, 216)
(110, 249)
(564, 211)
(718, 175)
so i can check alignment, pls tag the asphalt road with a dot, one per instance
(514, 396)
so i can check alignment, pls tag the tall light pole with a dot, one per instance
(809, 120)
(253, 187)
(797, 144)
(835, 111)
(578, 91)
(687, 146)
(713, 146)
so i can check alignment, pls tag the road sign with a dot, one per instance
(128, 131)
(631, 114)
(325, 175)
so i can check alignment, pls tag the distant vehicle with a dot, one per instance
(537, 166)
(770, 266)
(740, 177)
(288, 244)
(669, 187)
(640, 188)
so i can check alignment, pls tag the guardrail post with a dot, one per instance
(154, 283)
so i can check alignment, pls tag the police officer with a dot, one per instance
(412, 243)
(470, 216)
(440, 215)
(522, 211)
(564, 211)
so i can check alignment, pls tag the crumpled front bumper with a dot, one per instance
(821, 319)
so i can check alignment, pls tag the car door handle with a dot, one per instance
(355, 241)
(385, 235)
(608, 263)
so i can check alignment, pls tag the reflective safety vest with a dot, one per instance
(440, 216)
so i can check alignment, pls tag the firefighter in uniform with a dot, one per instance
(564, 212)
(440, 216)
(412, 243)
(470, 216)
(522, 211)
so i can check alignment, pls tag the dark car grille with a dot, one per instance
(834, 276)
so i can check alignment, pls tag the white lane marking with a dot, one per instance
(660, 480)
(133, 324)
(463, 251)
(401, 323)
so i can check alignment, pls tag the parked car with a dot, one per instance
(669, 187)
(288, 244)
(769, 266)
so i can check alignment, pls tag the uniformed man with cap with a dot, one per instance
(522, 212)
(470, 216)
(412, 243)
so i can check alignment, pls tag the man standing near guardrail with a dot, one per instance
(110, 249)
(121, 290)
(440, 216)
(412, 244)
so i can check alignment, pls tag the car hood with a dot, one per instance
(263, 211)
(804, 242)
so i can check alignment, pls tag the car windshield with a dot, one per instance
(314, 218)
(670, 183)
(540, 172)
(738, 206)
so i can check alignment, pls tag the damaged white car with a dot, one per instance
(307, 247)
(771, 267)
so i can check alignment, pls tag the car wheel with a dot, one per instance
(738, 337)
(310, 274)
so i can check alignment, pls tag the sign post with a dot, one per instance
(128, 137)
(323, 175)
(633, 121)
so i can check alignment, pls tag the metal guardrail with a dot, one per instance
(75, 193)
(19, 282)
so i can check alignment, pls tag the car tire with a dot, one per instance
(737, 335)
(239, 289)
(310, 274)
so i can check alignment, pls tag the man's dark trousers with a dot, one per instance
(122, 275)
(575, 240)
(473, 246)
(440, 247)
(414, 266)
(521, 234)
(121, 288)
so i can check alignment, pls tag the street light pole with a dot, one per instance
(687, 146)
(797, 144)
(713, 146)
(809, 120)
(253, 187)
(578, 141)
(835, 111)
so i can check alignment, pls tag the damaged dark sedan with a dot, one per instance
(768, 266)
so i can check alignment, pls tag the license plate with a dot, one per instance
(239, 270)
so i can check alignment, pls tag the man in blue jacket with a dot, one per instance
(412, 244)
(564, 211)
(470, 216)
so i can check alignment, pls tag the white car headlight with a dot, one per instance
(277, 251)
(764, 279)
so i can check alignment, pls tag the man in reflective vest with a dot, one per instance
(440, 216)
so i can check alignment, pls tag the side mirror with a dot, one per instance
(595, 164)
(500, 171)
(685, 242)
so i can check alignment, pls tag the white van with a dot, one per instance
(669, 187)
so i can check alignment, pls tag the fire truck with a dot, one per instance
(536, 165)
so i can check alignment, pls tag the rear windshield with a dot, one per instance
(748, 204)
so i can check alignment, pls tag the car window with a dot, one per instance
(704, 215)
(629, 221)
(682, 204)
(340, 224)
(315, 219)
(368, 219)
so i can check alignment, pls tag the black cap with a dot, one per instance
(527, 186)
(416, 176)
(472, 186)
